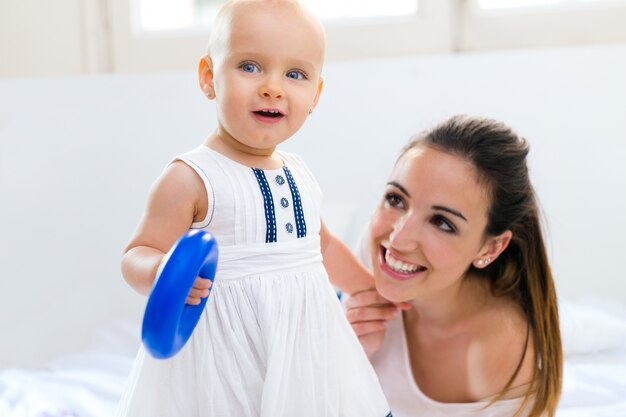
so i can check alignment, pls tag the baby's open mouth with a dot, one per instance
(269, 113)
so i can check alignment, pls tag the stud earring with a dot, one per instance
(310, 110)
(483, 262)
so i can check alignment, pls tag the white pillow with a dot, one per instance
(592, 326)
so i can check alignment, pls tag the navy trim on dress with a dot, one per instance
(268, 202)
(297, 204)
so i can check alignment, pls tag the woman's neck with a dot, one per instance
(451, 306)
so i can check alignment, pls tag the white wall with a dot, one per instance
(41, 37)
(78, 154)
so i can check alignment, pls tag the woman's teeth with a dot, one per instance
(400, 266)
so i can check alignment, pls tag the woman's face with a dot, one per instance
(429, 226)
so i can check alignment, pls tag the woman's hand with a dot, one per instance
(368, 313)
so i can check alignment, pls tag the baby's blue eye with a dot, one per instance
(248, 67)
(296, 75)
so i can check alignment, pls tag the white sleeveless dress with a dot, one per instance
(273, 339)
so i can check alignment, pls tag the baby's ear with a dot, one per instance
(205, 76)
(320, 85)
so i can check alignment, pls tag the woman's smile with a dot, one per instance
(397, 268)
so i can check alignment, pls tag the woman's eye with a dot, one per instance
(296, 75)
(249, 67)
(443, 224)
(394, 200)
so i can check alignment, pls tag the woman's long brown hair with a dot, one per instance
(522, 271)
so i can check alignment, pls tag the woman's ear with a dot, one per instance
(492, 248)
(205, 77)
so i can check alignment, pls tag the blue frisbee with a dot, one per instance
(168, 322)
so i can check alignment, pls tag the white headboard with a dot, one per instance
(78, 155)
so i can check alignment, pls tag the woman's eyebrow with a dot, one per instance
(401, 188)
(451, 211)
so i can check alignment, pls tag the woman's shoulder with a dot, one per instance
(501, 348)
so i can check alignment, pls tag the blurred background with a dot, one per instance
(73, 37)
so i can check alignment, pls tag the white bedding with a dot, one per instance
(88, 384)
(84, 384)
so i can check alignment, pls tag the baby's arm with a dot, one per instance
(344, 269)
(175, 199)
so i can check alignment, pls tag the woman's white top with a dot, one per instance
(392, 365)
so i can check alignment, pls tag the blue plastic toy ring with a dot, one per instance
(168, 322)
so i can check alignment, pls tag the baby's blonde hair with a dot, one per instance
(221, 25)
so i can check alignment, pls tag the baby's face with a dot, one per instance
(266, 72)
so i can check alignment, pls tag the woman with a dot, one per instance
(456, 243)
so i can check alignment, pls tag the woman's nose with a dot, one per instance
(271, 88)
(405, 234)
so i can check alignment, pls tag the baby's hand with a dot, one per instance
(199, 290)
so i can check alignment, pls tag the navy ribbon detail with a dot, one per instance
(297, 204)
(270, 216)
